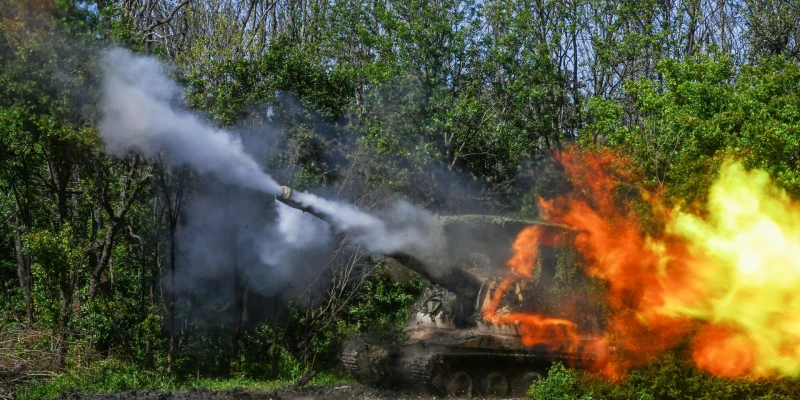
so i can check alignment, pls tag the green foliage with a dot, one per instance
(560, 384)
(383, 308)
(230, 90)
(701, 113)
(232, 383)
(56, 254)
(669, 377)
(261, 358)
(332, 377)
(672, 376)
(104, 376)
(115, 376)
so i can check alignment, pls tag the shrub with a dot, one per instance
(560, 384)
(673, 376)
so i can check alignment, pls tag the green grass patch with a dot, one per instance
(230, 383)
(334, 377)
(105, 376)
(116, 376)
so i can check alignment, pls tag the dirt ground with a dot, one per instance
(341, 392)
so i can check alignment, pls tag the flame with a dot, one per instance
(555, 334)
(526, 248)
(747, 255)
(725, 281)
(639, 270)
(723, 352)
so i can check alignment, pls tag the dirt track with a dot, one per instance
(341, 392)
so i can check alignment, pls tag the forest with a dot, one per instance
(128, 271)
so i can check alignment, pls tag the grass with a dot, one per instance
(114, 376)
(325, 378)
(230, 383)
(106, 376)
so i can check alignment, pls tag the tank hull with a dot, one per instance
(455, 362)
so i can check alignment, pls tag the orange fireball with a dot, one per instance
(727, 281)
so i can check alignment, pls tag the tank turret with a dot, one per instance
(474, 329)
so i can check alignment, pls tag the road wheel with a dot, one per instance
(524, 381)
(459, 385)
(494, 384)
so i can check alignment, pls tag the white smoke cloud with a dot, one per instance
(294, 232)
(141, 114)
(405, 227)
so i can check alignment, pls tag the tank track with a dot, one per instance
(422, 369)
(350, 357)
(432, 367)
(368, 363)
(431, 371)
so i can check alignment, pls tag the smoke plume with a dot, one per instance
(405, 227)
(230, 231)
(142, 113)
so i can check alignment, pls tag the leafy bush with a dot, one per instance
(25, 354)
(560, 384)
(262, 357)
(671, 376)
(226, 384)
(383, 309)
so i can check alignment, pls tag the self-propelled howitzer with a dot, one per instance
(450, 346)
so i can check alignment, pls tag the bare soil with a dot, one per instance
(340, 392)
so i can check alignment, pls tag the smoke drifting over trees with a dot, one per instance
(142, 113)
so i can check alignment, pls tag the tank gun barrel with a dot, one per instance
(406, 259)
(286, 198)
(454, 279)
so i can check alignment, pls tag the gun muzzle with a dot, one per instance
(286, 198)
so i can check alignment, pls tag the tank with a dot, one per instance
(452, 344)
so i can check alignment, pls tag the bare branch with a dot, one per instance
(168, 18)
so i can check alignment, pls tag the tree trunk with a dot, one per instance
(575, 83)
(104, 259)
(273, 372)
(239, 293)
(23, 266)
(172, 209)
(172, 327)
(62, 179)
(63, 326)
(273, 21)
